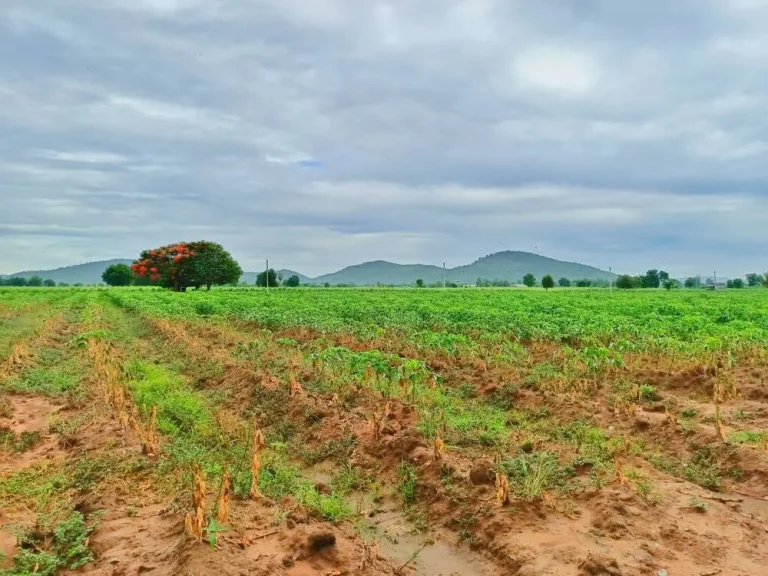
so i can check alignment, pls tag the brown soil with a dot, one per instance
(632, 525)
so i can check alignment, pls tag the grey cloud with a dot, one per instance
(327, 132)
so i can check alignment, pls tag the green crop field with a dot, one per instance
(463, 413)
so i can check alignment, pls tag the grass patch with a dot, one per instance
(407, 479)
(18, 444)
(532, 475)
(62, 379)
(278, 479)
(180, 410)
(47, 548)
(705, 466)
(749, 437)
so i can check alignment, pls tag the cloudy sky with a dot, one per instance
(321, 133)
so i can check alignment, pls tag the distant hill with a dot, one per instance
(508, 265)
(381, 272)
(89, 273)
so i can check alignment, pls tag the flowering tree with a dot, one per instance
(180, 266)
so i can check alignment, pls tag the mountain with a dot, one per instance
(89, 273)
(381, 272)
(508, 265)
(512, 266)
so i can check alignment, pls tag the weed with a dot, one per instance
(27, 440)
(407, 480)
(688, 413)
(705, 466)
(44, 551)
(644, 486)
(697, 504)
(213, 529)
(646, 393)
(750, 437)
(531, 475)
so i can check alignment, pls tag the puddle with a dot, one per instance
(398, 541)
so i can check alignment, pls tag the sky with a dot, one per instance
(324, 133)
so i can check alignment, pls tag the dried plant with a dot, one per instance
(194, 523)
(222, 507)
(620, 472)
(149, 442)
(258, 445)
(439, 448)
(502, 489)
(296, 389)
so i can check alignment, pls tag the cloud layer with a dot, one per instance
(326, 132)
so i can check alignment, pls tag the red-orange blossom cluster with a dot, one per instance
(162, 262)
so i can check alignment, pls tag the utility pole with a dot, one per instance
(266, 275)
(444, 274)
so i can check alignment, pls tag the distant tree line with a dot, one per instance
(547, 282)
(33, 281)
(660, 278)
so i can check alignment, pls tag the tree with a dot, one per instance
(212, 265)
(17, 281)
(754, 279)
(35, 281)
(669, 284)
(292, 281)
(548, 282)
(625, 282)
(420, 282)
(529, 280)
(117, 275)
(564, 282)
(267, 278)
(48, 283)
(692, 282)
(179, 266)
(663, 276)
(652, 279)
(583, 283)
(63, 285)
(765, 280)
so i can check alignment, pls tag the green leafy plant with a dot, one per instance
(407, 479)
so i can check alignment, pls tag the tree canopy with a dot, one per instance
(754, 279)
(292, 281)
(625, 282)
(186, 264)
(529, 280)
(117, 275)
(267, 278)
(564, 282)
(548, 282)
